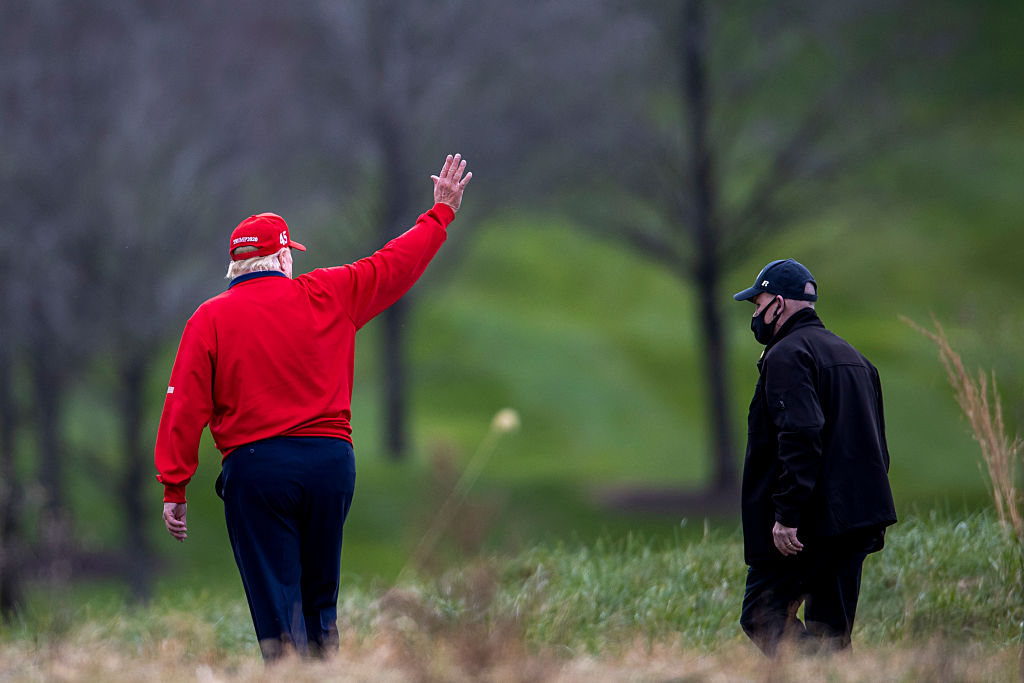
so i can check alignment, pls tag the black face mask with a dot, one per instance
(762, 329)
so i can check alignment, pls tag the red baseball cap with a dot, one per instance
(266, 231)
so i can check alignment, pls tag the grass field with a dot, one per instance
(598, 352)
(599, 356)
(943, 601)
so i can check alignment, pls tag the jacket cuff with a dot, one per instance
(786, 518)
(444, 212)
(174, 493)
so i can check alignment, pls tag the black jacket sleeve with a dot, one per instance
(792, 397)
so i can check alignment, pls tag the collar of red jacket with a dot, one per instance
(252, 276)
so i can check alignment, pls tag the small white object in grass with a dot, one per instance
(505, 420)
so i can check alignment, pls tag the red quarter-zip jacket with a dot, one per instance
(273, 356)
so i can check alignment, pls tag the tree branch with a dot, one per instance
(760, 212)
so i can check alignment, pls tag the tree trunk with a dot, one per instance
(48, 385)
(707, 271)
(11, 543)
(396, 215)
(136, 545)
(394, 370)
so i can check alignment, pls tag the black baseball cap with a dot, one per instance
(785, 278)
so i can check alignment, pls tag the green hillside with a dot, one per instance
(599, 352)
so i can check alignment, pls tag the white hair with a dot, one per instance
(255, 264)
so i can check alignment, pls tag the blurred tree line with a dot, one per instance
(136, 135)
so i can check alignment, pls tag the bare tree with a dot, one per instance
(127, 157)
(500, 82)
(168, 181)
(12, 541)
(771, 103)
(47, 124)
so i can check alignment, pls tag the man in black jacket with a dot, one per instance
(816, 496)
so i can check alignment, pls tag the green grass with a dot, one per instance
(950, 580)
(598, 350)
(938, 577)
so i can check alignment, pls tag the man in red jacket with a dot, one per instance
(268, 366)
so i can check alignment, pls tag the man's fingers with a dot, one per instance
(174, 524)
(178, 534)
(174, 517)
(788, 546)
(171, 519)
(456, 168)
(450, 164)
(452, 180)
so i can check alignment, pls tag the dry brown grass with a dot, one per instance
(978, 398)
(388, 657)
(460, 631)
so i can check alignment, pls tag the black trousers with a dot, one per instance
(824, 577)
(285, 504)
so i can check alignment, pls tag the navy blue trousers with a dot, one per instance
(825, 577)
(285, 504)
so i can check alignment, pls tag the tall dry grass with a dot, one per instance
(454, 514)
(389, 659)
(978, 398)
